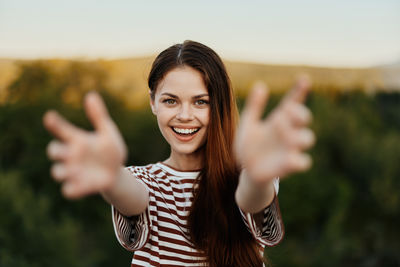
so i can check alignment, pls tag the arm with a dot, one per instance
(127, 195)
(91, 162)
(252, 196)
(272, 147)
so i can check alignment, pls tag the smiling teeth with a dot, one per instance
(185, 131)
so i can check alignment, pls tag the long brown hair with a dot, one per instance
(214, 221)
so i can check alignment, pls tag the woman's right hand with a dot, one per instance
(86, 162)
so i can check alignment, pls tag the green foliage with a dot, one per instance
(29, 234)
(40, 227)
(343, 212)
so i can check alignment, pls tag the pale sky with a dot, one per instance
(312, 32)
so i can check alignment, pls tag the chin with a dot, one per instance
(188, 150)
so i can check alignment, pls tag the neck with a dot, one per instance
(185, 162)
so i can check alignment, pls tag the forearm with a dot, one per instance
(254, 196)
(127, 194)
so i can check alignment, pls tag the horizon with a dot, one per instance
(225, 60)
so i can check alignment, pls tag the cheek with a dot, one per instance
(205, 118)
(162, 122)
(162, 118)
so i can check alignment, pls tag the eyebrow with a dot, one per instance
(194, 97)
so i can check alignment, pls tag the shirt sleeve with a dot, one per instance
(132, 232)
(271, 230)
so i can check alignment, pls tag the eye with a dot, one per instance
(201, 102)
(169, 101)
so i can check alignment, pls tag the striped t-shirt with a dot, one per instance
(159, 235)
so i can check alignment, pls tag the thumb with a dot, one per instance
(96, 111)
(300, 90)
(255, 103)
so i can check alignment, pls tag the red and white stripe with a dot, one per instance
(159, 235)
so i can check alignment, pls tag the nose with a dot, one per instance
(185, 113)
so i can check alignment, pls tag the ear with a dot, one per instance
(152, 104)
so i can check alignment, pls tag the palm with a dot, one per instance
(88, 162)
(274, 146)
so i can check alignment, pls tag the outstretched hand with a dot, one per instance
(274, 146)
(86, 162)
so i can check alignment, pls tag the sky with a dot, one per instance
(310, 32)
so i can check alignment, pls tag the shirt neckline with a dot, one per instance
(176, 171)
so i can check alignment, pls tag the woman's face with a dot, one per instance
(181, 104)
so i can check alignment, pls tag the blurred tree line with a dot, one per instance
(343, 212)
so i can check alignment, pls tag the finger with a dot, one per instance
(300, 90)
(96, 111)
(57, 150)
(72, 188)
(298, 162)
(83, 186)
(59, 126)
(255, 103)
(298, 114)
(69, 190)
(304, 138)
(59, 172)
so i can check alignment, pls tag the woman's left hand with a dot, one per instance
(275, 146)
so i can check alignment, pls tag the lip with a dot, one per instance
(186, 127)
(185, 138)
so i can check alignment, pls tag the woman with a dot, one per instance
(213, 201)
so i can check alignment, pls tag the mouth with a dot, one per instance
(185, 131)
